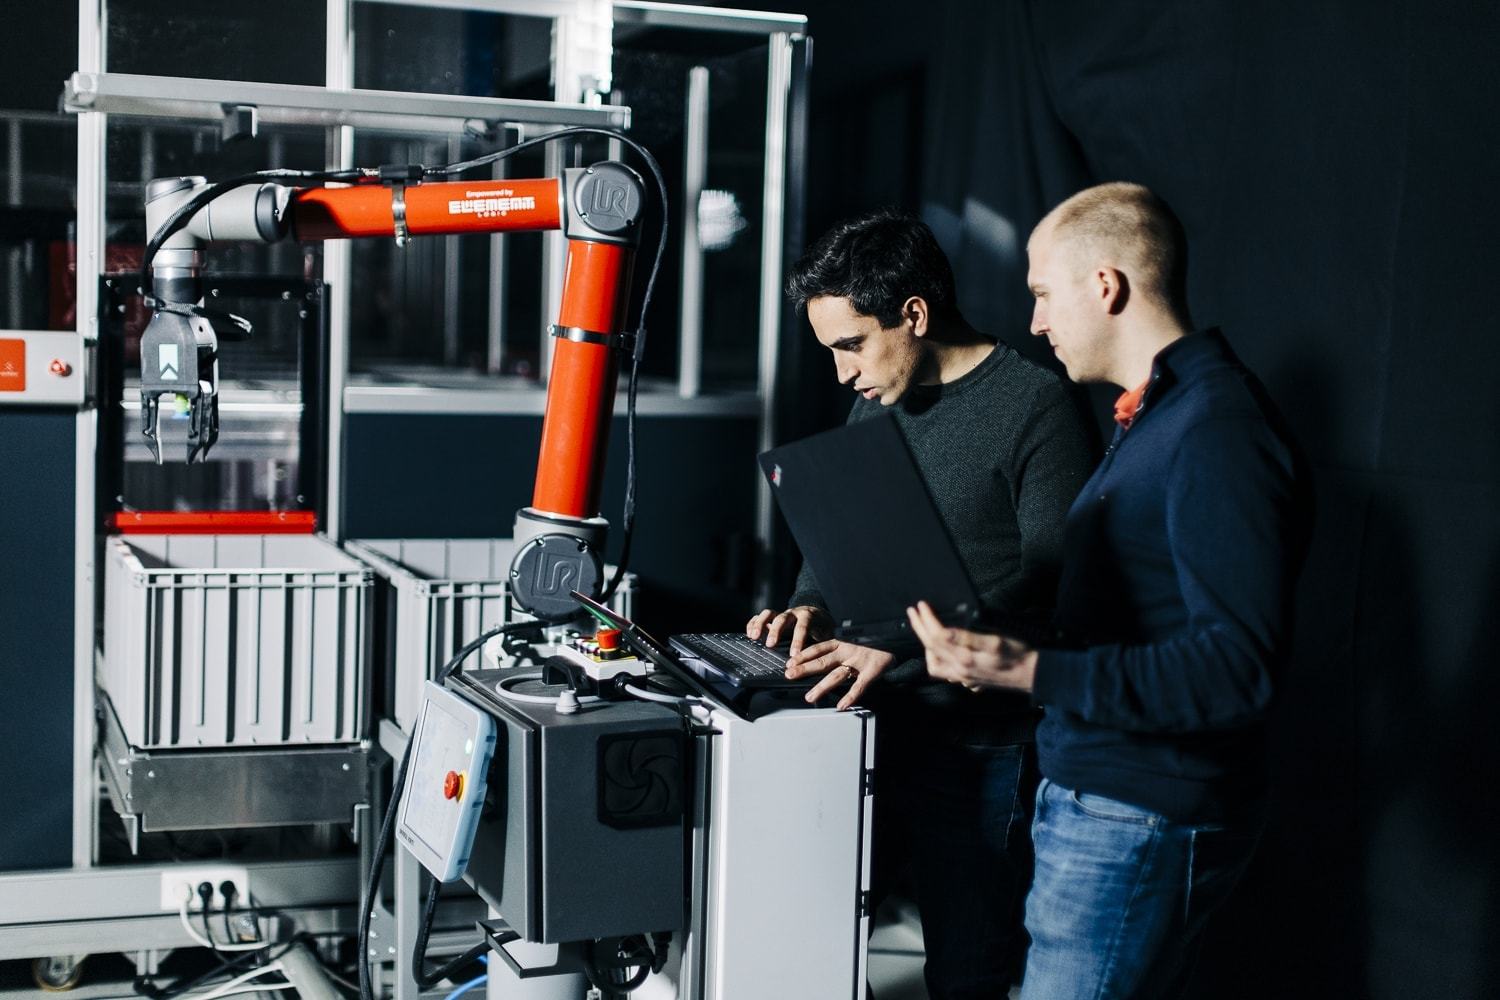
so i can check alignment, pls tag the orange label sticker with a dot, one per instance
(12, 365)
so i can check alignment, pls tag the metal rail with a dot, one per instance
(291, 104)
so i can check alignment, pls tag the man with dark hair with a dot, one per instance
(1182, 552)
(1003, 450)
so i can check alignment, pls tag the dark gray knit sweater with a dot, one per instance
(1004, 451)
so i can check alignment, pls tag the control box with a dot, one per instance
(451, 749)
(601, 656)
(586, 837)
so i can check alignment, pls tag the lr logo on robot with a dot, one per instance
(608, 199)
(557, 574)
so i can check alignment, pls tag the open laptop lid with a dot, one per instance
(864, 520)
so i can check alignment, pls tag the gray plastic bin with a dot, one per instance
(447, 591)
(235, 640)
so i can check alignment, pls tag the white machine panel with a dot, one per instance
(787, 867)
(41, 368)
(445, 782)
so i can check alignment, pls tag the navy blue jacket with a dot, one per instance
(1180, 560)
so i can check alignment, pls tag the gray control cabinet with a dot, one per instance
(582, 834)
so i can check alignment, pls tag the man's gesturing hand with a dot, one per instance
(974, 659)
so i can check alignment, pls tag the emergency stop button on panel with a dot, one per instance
(439, 810)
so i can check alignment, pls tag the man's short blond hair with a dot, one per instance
(1127, 227)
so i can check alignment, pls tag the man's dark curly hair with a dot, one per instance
(877, 262)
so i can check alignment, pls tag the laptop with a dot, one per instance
(861, 513)
(729, 667)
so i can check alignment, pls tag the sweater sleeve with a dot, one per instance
(806, 591)
(1231, 520)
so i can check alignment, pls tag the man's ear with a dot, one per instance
(916, 312)
(1113, 289)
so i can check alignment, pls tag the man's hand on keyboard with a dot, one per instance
(842, 663)
(805, 623)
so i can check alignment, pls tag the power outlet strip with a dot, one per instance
(182, 881)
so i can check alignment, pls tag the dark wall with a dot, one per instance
(1332, 163)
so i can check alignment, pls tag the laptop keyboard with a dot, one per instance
(736, 653)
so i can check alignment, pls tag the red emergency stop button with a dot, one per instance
(453, 785)
(608, 641)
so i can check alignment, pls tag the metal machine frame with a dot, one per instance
(104, 908)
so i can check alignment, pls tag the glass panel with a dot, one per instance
(254, 464)
(139, 149)
(425, 307)
(39, 160)
(270, 41)
(489, 55)
(41, 50)
(651, 68)
(428, 305)
(429, 50)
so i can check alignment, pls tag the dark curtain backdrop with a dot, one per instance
(1334, 164)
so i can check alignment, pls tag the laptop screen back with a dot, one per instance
(866, 524)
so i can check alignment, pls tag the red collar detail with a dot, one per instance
(1129, 404)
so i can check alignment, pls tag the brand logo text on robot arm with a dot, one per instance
(484, 203)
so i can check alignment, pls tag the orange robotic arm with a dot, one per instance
(560, 536)
(598, 209)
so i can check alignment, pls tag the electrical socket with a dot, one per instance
(183, 880)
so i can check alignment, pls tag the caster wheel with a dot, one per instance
(58, 973)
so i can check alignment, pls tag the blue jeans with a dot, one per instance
(1121, 896)
(956, 818)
